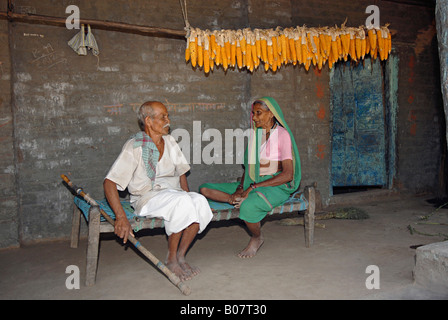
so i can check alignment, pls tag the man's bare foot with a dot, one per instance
(252, 248)
(189, 271)
(176, 268)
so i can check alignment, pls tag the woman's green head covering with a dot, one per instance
(252, 163)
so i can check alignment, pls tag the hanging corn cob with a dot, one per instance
(247, 49)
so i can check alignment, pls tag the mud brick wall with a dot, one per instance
(9, 224)
(62, 113)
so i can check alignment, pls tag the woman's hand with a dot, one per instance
(241, 197)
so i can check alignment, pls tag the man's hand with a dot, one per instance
(122, 226)
(123, 229)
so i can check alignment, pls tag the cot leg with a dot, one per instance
(76, 221)
(309, 216)
(93, 245)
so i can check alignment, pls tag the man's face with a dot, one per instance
(160, 122)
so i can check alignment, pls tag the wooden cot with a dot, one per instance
(298, 202)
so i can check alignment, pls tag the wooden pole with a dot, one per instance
(99, 24)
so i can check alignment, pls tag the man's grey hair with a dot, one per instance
(145, 110)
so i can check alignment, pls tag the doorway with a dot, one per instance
(363, 134)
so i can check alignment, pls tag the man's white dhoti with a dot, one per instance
(164, 198)
(178, 209)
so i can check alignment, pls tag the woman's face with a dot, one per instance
(262, 118)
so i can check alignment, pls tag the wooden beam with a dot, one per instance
(99, 24)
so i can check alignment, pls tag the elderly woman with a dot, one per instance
(272, 171)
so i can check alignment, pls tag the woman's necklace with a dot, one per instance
(268, 134)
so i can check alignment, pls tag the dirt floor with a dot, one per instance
(333, 268)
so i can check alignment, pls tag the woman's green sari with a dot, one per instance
(262, 199)
(253, 154)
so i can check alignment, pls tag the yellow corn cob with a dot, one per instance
(227, 45)
(372, 38)
(363, 48)
(381, 48)
(304, 49)
(386, 43)
(339, 45)
(292, 48)
(288, 49)
(358, 47)
(368, 48)
(239, 55)
(274, 47)
(255, 59)
(222, 49)
(279, 61)
(360, 33)
(206, 55)
(328, 42)
(323, 49)
(207, 36)
(274, 66)
(307, 64)
(306, 52)
(264, 50)
(249, 61)
(213, 45)
(193, 49)
(330, 60)
(258, 42)
(315, 43)
(283, 50)
(352, 46)
(225, 63)
(187, 51)
(200, 49)
(320, 61)
(346, 45)
(253, 49)
(298, 47)
(277, 33)
(374, 53)
(218, 59)
(243, 44)
(311, 49)
(232, 51)
(334, 45)
(270, 49)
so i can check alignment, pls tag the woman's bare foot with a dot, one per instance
(252, 248)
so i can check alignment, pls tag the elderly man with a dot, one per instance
(152, 167)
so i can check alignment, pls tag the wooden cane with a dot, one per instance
(171, 276)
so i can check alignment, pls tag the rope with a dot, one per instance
(185, 15)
